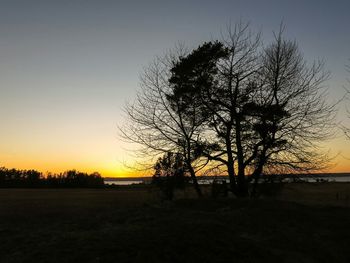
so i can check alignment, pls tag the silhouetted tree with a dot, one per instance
(169, 174)
(264, 105)
(159, 120)
(292, 116)
(33, 178)
(251, 108)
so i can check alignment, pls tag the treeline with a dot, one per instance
(33, 178)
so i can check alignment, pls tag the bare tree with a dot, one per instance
(264, 105)
(250, 108)
(294, 116)
(158, 122)
(226, 91)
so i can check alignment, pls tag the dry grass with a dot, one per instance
(335, 194)
(131, 225)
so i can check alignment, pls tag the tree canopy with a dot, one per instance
(248, 108)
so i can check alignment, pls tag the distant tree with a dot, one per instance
(33, 178)
(169, 174)
(73, 178)
(3, 175)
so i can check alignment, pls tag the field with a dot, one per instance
(305, 223)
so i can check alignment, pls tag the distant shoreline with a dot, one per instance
(347, 174)
(311, 178)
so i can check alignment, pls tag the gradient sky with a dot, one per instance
(68, 67)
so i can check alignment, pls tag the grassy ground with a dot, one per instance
(131, 225)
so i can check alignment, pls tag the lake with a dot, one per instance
(341, 178)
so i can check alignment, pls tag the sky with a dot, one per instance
(67, 68)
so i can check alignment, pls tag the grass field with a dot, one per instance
(306, 223)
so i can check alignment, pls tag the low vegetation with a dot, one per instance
(131, 224)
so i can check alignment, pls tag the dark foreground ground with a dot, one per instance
(130, 225)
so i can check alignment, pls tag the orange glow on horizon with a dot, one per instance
(105, 162)
(341, 166)
(106, 170)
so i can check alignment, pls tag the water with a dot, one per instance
(123, 181)
(338, 179)
(206, 180)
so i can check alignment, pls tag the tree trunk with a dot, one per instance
(231, 169)
(195, 181)
(242, 185)
(256, 174)
(258, 171)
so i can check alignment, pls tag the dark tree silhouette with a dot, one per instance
(250, 108)
(169, 174)
(159, 120)
(264, 105)
(32, 178)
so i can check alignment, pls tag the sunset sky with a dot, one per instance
(68, 67)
